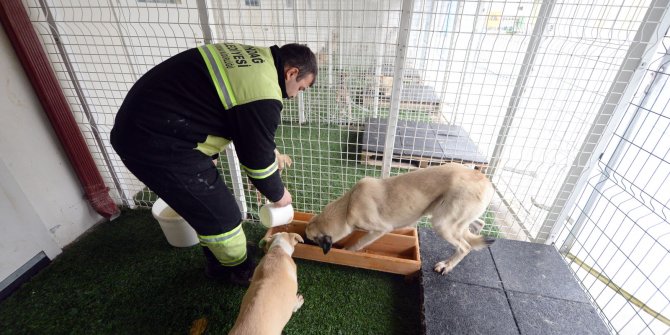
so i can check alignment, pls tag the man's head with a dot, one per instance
(300, 68)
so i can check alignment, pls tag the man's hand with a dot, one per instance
(285, 200)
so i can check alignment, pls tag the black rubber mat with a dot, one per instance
(511, 287)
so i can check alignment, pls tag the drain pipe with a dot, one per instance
(29, 50)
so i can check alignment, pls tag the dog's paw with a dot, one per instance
(299, 301)
(476, 226)
(355, 246)
(284, 161)
(441, 268)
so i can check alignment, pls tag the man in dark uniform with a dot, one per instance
(178, 117)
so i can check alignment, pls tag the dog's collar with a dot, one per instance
(285, 245)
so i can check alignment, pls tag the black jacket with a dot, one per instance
(174, 106)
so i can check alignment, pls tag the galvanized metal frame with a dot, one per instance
(126, 197)
(399, 71)
(233, 163)
(652, 29)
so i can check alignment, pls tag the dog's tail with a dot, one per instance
(478, 242)
(475, 240)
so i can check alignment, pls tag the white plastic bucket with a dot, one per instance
(272, 216)
(176, 230)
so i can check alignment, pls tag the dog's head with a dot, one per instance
(313, 232)
(291, 238)
(330, 225)
(326, 230)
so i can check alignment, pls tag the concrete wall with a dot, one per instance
(42, 205)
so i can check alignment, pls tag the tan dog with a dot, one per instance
(273, 295)
(454, 195)
(283, 160)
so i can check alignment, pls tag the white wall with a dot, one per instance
(43, 206)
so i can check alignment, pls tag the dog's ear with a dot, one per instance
(297, 238)
(325, 242)
(263, 244)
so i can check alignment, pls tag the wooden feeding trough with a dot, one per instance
(396, 252)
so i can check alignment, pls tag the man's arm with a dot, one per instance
(256, 124)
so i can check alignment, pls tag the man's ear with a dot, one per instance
(291, 72)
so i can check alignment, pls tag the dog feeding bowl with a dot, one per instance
(395, 252)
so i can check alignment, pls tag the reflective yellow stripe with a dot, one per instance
(261, 174)
(229, 248)
(214, 66)
(237, 261)
(222, 237)
(212, 145)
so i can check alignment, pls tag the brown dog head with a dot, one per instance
(291, 238)
(312, 232)
(331, 225)
(326, 230)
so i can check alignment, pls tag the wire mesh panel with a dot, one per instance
(98, 50)
(514, 88)
(527, 92)
(618, 238)
(321, 128)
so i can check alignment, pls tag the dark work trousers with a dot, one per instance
(199, 194)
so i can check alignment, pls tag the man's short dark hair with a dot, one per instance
(300, 57)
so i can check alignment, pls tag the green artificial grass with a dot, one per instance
(124, 278)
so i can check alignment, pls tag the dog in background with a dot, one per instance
(283, 160)
(272, 296)
(453, 195)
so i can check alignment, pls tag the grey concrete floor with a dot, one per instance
(511, 287)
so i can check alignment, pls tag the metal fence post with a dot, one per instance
(396, 91)
(651, 31)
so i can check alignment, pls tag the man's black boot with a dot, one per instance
(240, 274)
